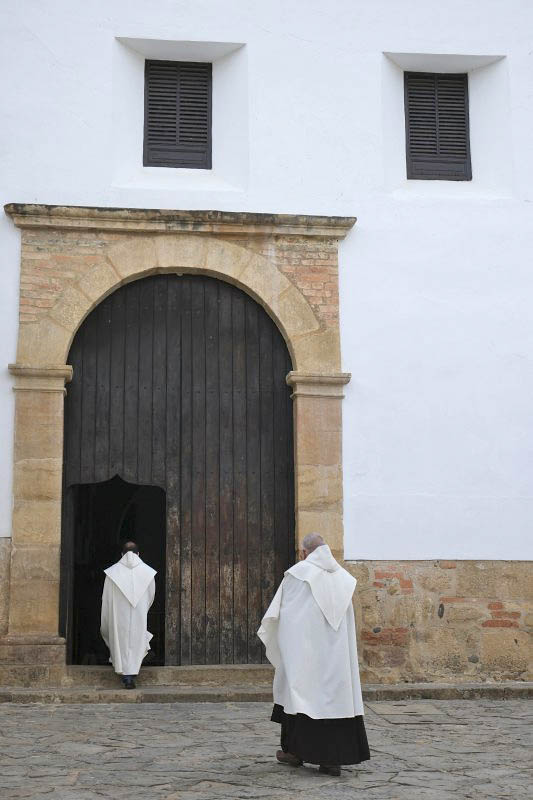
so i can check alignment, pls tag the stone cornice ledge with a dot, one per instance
(153, 220)
(46, 378)
(315, 384)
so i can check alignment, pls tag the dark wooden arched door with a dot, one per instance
(179, 382)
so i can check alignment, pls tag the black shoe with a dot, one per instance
(128, 682)
(330, 769)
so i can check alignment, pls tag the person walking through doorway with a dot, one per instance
(129, 591)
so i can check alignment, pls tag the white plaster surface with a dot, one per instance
(436, 279)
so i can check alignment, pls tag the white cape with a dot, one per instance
(309, 635)
(129, 591)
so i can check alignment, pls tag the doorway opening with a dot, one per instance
(100, 517)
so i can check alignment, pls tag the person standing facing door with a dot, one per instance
(309, 635)
(129, 591)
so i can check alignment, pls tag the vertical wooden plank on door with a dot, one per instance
(212, 434)
(73, 416)
(267, 461)
(103, 364)
(198, 576)
(88, 419)
(173, 449)
(253, 482)
(186, 470)
(289, 445)
(66, 611)
(240, 545)
(281, 432)
(144, 422)
(226, 474)
(116, 405)
(131, 383)
(159, 381)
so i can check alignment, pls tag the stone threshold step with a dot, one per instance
(505, 690)
(197, 675)
(261, 694)
(145, 694)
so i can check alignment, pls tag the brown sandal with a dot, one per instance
(288, 758)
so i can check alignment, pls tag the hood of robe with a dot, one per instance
(331, 585)
(132, 576)
(130, 560)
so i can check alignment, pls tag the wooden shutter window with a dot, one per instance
(177, 114)
(436, 126)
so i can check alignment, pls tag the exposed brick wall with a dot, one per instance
(444, 620)
(312, 266)
(51, 260)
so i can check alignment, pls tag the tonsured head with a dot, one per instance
(130, 547)
(311, 542)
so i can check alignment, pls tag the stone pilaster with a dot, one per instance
(36, 530)
(317, 401)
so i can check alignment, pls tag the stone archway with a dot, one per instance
(74, 257)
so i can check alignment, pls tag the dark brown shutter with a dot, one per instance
(436, 126)
(177, 114)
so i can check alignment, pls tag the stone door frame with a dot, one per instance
(72, 258)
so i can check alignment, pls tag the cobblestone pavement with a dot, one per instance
(209, 751)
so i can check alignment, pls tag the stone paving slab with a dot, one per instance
(221, 751)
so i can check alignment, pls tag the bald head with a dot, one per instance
(311, 542)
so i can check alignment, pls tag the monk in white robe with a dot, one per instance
(129, 591)
(309, 635)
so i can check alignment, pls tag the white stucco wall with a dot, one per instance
(436, 278)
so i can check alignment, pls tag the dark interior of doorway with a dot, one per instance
(103, 516)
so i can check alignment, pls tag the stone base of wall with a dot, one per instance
(418, 621)
(5, 561)
(444, 620)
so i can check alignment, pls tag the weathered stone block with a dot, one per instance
(35, 563)
(38, 479)
(463, 613)
(296, 313)
(38, 425)
(34, 606)
(5, 562)
(133, 255)
(312, 351)
(442, 654)
(327, 523)
(434, 579)
(265, 283)
(506, 653)
(99, 281)
(31, 653)
(319, 486)
(70, 309)
(229, 260)
(23, 676)
(37, 522)
(44, 342)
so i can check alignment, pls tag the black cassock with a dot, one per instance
(322, 741)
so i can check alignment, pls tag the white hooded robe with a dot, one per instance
(309, 635)
(129, 591)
